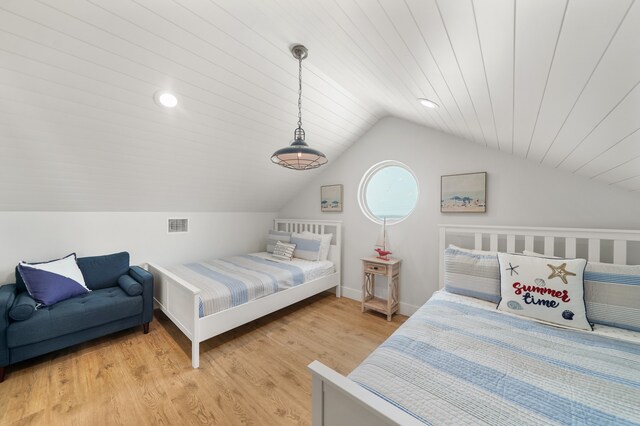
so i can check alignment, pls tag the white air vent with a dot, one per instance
(178, 225)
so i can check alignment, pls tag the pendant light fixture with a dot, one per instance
(298, 155)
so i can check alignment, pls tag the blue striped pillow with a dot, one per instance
(274, 236)
(612, 294)
(306, 248)
(472, 273)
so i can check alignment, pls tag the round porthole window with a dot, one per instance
(388, 190)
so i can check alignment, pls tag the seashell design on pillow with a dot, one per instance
(512, 304)
(568, 315)
(540, 282)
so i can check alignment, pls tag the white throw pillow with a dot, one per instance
(547, 289)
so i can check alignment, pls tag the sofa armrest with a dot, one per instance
(146, 279)
(7, 297)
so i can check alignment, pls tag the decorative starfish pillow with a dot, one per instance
(547, 289)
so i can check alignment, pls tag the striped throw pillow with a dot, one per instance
(612, 294)
(274, 236)
(306, 248)
(283, 250)
(472, 273)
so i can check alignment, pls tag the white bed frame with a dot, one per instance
(179, 300)
(337, 400)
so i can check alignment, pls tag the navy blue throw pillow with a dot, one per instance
(51, 282)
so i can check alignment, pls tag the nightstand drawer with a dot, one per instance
(376, 268)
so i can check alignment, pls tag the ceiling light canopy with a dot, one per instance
(166, 99)
(428, 103)
(298, 155)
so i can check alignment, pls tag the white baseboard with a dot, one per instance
(405, 308)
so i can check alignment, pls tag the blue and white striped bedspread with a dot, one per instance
(454, 363)
(230, 282)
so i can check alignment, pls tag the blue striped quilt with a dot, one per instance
(225, 283)
(456, 363)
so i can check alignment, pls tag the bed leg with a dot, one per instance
(317, 400)
(195, 354)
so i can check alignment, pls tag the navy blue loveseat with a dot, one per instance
(121, 297)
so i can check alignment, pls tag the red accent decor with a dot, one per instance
(382, 254)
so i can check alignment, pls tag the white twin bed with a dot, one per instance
(460, 361)
(205, 299)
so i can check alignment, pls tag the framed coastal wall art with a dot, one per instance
(463, 193)
(331, 198)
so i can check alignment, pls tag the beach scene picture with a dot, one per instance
(464, 193)
(331, 198)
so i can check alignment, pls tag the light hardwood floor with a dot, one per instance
(255, 374)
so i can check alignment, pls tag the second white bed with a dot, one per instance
(180, 298)
(229, 282)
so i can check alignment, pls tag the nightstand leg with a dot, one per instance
(367, 288)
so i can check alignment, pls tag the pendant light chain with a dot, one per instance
(299, 90)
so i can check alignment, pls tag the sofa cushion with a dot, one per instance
(104, 271)
(23, 307)
(130, 286)
(74, 315)
(53, 281)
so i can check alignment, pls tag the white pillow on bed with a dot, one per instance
(547, 289)
(611, 293)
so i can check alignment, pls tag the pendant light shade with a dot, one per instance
(298, 155)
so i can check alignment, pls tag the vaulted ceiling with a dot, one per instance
(552, 81)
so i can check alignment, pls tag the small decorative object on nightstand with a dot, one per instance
(372, 266)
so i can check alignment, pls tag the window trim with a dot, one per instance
(365, 181)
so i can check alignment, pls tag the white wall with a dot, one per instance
(519, 192)
(38, 236)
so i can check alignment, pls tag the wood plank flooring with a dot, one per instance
(253, 375)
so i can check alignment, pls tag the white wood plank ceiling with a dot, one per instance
(553, 81)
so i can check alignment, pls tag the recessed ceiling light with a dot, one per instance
(428, 103)
(166, 99)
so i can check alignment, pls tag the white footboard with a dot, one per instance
(179, 300)
(338, 401)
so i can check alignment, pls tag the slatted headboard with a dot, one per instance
(317, 227)
(553, 240)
